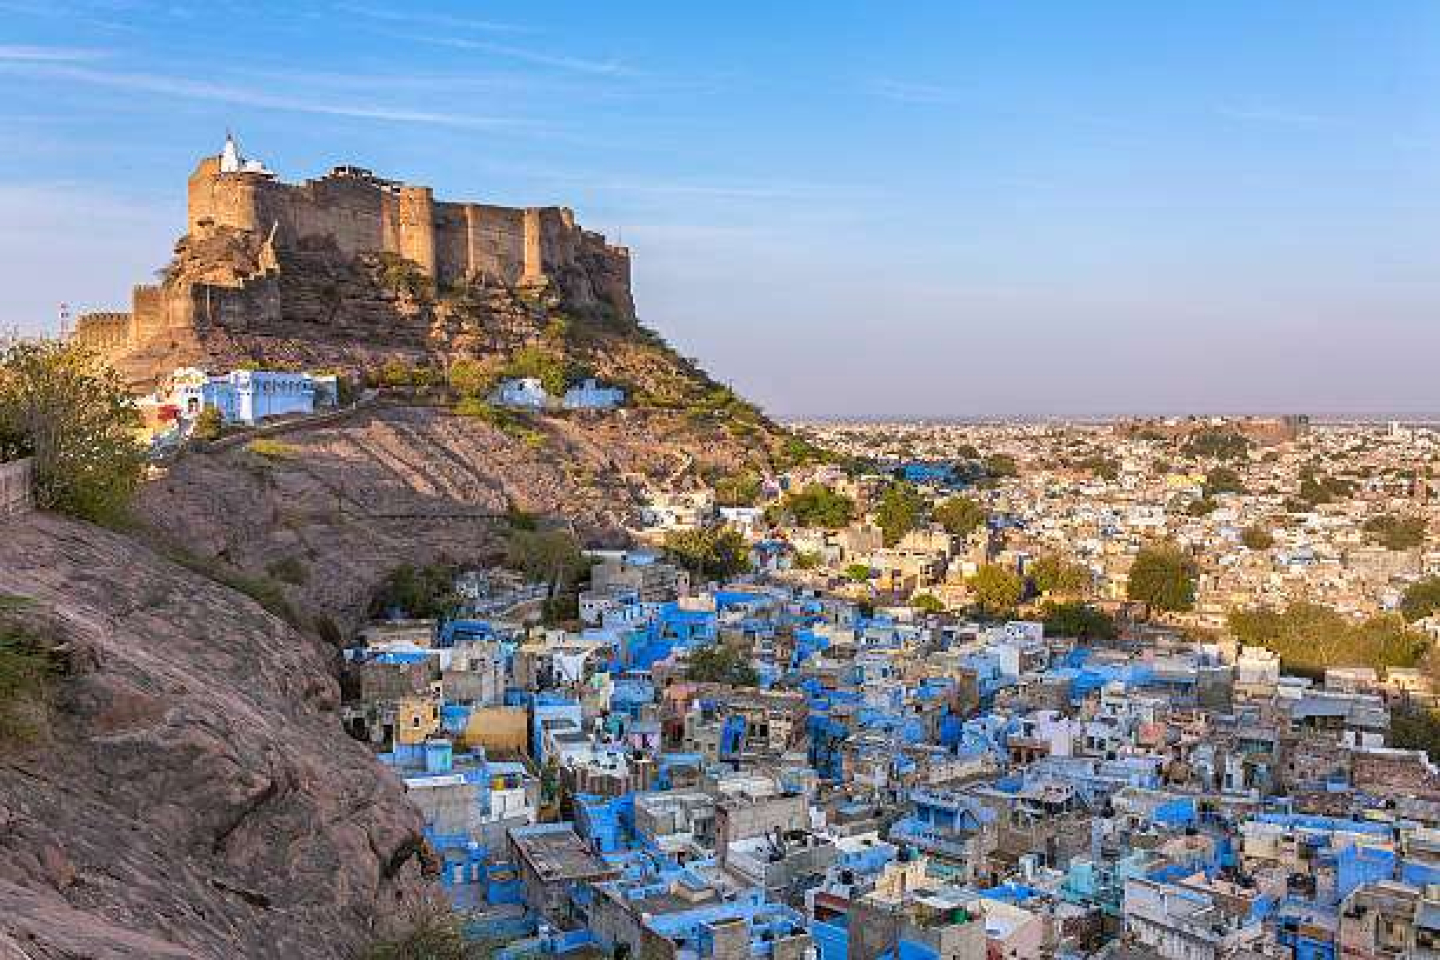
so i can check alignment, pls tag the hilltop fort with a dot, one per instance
(340, 267)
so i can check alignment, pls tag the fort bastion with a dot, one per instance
(344, 215)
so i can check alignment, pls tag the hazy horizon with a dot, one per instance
(972, 210)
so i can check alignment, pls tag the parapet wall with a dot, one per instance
(361, 213)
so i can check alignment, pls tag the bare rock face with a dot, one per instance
(196, 796)
(353, 500)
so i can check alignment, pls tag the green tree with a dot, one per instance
(927, 603)
(710, 552)
(545, 364)
(818, 506)
(720, 663)
(898, 512)
(422, 592)
(1218, 443)
(1223, 480)
(1310, 637)
(1421, 599)
(472, 379)
(1202, 507)
(1164, 577)
(858, 572)
(960, 515)
(1000, 465)
(997, 589)
(1394, 532)
(61, 406)
(1257, 538)
(1078, 620)
(552, 557)
(1051, 573)
(1416, 728)
(740, 489)
(209, 425)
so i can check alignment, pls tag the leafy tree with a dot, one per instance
(997, 589)
(960, 515)
(709, 552)
(738, 489)
(818, 506)
(1000, 465)
(1316, 490)
(1223, 480)
(1310, 637)
(720, 663)
(209, 425)
(927, 603)
(472, 379)
(858, 572)
(1218, 443)
(1164, 577)
(1257, 538)
(1416, 728)
(1421, 599)
(421, 592)
(1078, 620)
(1202, 507)
(1396, 532)
(807, 559)
(898, 512)
(544, 364)
(60, 405)
(1106, 468)
(1051, 573)
(554, 558)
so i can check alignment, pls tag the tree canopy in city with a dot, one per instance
(1163, 576)
(899, 511)
(816, 505)
(1052, 573)
(1395, 531)
(1217, 443)
(712, 552)
(1223, 480)
(960, 515)
(720, 663)
(59, 404)
(1421, 599)
(997, 590)
(1257, 538)
(1310, 637)
(1079, 621)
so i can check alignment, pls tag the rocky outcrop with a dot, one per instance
(349, 502)
(195, 796)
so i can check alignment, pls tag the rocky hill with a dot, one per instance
(194, 795)
(325, 513)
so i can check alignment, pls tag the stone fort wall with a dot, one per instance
(361, 213)
(353, 212)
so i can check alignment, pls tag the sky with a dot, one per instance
(941, 209)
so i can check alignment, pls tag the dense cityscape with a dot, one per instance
(928, 481)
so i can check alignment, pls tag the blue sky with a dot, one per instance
(841, 208)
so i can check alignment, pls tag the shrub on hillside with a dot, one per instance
(59, 404)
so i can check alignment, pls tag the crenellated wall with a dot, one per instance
(361, 213)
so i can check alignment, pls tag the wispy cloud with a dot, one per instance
(904, 91)
(184, 88)
(1279, 118)
(418, 18)
(20, 53)
(539, 58)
